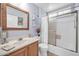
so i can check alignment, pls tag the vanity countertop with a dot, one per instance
(17, 46)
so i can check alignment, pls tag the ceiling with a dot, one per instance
(51, 6)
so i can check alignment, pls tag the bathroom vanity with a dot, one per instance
(26, 47)
(13, 18)
(30, 50)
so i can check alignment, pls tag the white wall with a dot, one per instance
(44, 30)
(44, 26)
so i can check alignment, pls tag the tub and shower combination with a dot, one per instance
(63, 34)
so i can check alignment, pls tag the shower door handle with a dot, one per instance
(74, 24)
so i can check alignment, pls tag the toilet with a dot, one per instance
(43, 49)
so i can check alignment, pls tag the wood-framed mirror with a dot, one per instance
(13, 18)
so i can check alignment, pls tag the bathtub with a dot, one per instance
(60, 51)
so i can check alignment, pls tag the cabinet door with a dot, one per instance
(26, 51)
(33, 49)
(20, 52)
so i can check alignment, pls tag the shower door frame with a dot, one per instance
(76, 26)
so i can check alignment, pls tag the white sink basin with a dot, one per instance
(19, 42)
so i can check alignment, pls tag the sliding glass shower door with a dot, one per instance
(66, 31)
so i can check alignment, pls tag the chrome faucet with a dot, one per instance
(4, 37)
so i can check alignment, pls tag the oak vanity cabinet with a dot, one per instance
(13, 18)
(30, 50)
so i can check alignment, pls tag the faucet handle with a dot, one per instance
(7, 34)
(20, 39)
